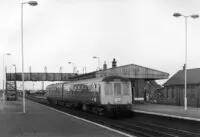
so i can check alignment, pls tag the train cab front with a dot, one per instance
(117, 95)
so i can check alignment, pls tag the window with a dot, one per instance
(173, 90)
(167, 93)
(117, 89)
(75, 87)
(126, 90)
(66, 88)
(192, 95)
(91, 87)
(108, 89)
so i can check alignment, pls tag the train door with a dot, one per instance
(107, 93)
(117, 98)
(133, 90)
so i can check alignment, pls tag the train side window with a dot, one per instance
(74, 88)
(71, 88)
(86, 89)
(91, 87)
(66, 88)
(78, 87)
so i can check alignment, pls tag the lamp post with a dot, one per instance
(194, 16)
(84, 70)
(73, 66)
(15, 68)
(7, 54)
(95, 57)
(60, 71)
(31, 3)
(45, 71)
(15, 79)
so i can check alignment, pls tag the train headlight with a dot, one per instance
(117, 100)
(94, 99)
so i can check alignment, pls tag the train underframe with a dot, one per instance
(108, 110)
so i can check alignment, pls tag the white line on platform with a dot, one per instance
(108, 128)
(167, 115)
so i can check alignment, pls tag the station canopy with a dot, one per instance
(127, 71)
(135, 72)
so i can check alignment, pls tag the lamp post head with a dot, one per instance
(60, 69)
(8, 54)
(194, 16)
(70, 63)
(33, 3)
(177, 15)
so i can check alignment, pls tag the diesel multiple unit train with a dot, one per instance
(111, 94)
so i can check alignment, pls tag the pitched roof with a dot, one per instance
(193, 77)
(134, 71)
(126, 71)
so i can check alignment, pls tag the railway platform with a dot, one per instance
(41, 121)
(168, 111)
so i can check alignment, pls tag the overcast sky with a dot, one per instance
(141, 32)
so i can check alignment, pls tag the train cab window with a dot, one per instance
(117, 89)
(108, 89)
(126, 90)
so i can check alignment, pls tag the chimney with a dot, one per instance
(114, 63)
(104, 66)
(184, 67)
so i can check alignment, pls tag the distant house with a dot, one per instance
(173, 91)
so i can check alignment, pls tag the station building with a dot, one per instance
(173, 91)
(142, 79)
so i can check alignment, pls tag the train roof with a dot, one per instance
(98, 79)
(111, 78)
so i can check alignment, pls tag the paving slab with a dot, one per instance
(40, 121)
(169, 110)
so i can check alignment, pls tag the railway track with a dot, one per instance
(128, 125)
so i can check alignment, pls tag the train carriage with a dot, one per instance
(105, 94)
